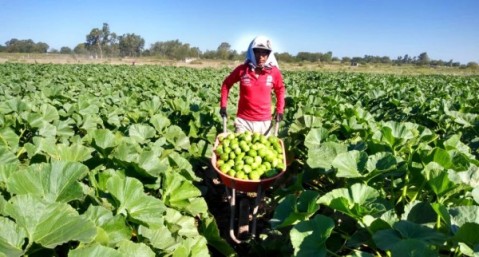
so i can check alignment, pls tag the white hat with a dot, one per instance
(261, 42)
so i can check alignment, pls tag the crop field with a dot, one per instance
(114, 160)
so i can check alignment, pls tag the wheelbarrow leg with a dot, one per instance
(232, 200)
(243, 219)
(259, 196)
(244, 213)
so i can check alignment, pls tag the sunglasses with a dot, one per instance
(261, 51)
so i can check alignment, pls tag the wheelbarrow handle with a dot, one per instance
(276, 128)
(224, 124)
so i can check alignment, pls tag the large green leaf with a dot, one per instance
(292, 209)
(12, 238)
(160, 237)
(209, 229)
(114, 227)
(181, 194)
(6, 170)
(129, 248)
(41, 145)
(176, 137)
(396, 134)
(309, 237)
(192, 247)
(74, 152)
(127, 152)
(468, 177)
(160, 122)
(133, 202)
(64, 128)
(315, 137)
(180, 224)
(7, 156)
(49, 113)
(176, 234)
(356, 201)
(467, 234)
(39, 118)
(406, 234)
(48, 146)
(324, 156)
(351, 164)
(305, 121)
(461, 215)
(15, 105)
(105, 139)
(412, 248)
(454, 142)
(47, 130)
(181, 165)
(420, 213)
(149, 162)
(49, 223)
(55, 182)
(141, 132)
(381, 161)
(438, 179)
(9, 139)
(91, 122)
(97, 250)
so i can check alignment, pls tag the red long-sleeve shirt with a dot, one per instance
(254, 102)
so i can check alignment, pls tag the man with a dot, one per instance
(259, 75)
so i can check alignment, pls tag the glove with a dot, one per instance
(223, 112)
(278, 117)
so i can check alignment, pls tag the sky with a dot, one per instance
(444, 29)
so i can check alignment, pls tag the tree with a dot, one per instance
(93, 41)
(307, 56)
(65, 50)
(174, 49)
(25, 46)
(80, 49)
(131, 45)
(224, 50)
(346, 60)
(98, 39)
(472, 65)
(285, 57)
(41, 47)
(423, 59)
(209, 54)
(327, 57)
(195, 52)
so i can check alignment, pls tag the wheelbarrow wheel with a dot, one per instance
(243, 219)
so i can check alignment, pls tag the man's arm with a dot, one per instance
(279, 90)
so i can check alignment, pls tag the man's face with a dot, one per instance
(261, 56)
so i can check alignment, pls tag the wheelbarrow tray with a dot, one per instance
(243, 184)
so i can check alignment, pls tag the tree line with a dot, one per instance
(101, 43)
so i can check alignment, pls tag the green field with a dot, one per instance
(114, 160)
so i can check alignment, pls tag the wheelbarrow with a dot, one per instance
(234, 186)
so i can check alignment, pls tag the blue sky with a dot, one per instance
(445, 29)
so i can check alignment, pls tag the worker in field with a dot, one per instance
(258, 76)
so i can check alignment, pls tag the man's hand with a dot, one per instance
(223, 112)
(278, 117)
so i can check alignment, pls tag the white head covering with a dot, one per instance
(263, 43)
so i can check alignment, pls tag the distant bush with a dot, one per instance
(472, 65)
